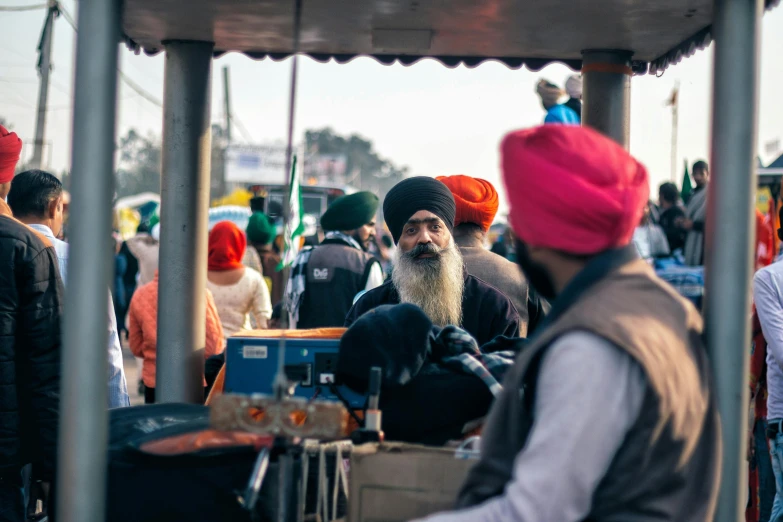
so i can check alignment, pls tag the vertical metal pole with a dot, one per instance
(675, 127)
(607, 93)
(83, 416)
(227, 107)
(227, 102)
(729, 229)
(286, 319)
(44, 68)
(184, 205)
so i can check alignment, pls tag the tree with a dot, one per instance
(139, 164)
(364, 167)
(139, 167)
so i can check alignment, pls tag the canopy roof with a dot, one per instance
(516, 32)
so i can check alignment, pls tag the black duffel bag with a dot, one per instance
(197, 486)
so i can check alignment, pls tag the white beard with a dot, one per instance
(435, 285)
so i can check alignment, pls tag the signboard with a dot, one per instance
(325, 169)
(265, 165)
(262, 164)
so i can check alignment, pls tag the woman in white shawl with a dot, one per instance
(696, 215)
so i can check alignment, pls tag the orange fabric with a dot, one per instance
(765, 244)
(227, 244)
(477, 200)
(206, 439)
(313, 333)
(218, 386)
(143, 329)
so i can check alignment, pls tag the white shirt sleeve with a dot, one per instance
(588, 396)
(262, 302)
(767, 296)
(375, 279)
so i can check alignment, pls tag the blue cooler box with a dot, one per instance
(251, 365)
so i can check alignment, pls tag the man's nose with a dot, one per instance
(425, 238)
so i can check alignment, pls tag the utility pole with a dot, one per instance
(674, 103)
(227, 111)
(44, 68)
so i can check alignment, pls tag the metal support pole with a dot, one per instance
(187, 141)
(729, 229)
(44, 69)
(607, 93)
(83, 416)
(222, 185)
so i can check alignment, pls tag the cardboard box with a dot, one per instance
(395, 482)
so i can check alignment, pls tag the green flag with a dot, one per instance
(294, 227)
(687, 186)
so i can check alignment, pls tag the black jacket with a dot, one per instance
(335, 273)
(31, 294)
(675, 235)
(486, 311)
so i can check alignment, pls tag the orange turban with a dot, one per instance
(477, 200)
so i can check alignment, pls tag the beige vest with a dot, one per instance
(668, 467)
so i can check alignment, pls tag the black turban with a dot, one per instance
(350, 212)
(413, 195)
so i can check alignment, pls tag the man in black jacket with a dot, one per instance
(672, 215)
(325, 279)
(30, 308)
(429, 270)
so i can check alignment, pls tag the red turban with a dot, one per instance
(227, 245)
(10, 148)
(572, 189)
(477, 200)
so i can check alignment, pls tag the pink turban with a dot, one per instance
(572, 189)
(10, 148)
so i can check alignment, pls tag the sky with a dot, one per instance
(437, 121)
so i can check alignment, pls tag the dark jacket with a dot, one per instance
(575, 105)
(668, 466)
(675, 235)
(30, 307)
(486, 311)
(335, 273)
(502, 274)
(270, 260)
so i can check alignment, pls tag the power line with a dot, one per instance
(68, 17)
(242, 130)
(18, 80)
(124, 77)
(139, 90)
(19, 8)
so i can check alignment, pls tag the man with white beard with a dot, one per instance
(428, 269)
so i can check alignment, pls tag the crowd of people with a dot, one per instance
(591, 409)
(674, 225)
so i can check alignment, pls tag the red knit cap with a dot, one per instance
(477, 200)
(572, 189)
(10, 148)
(227, 245)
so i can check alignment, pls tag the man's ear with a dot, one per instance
(52, 210)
